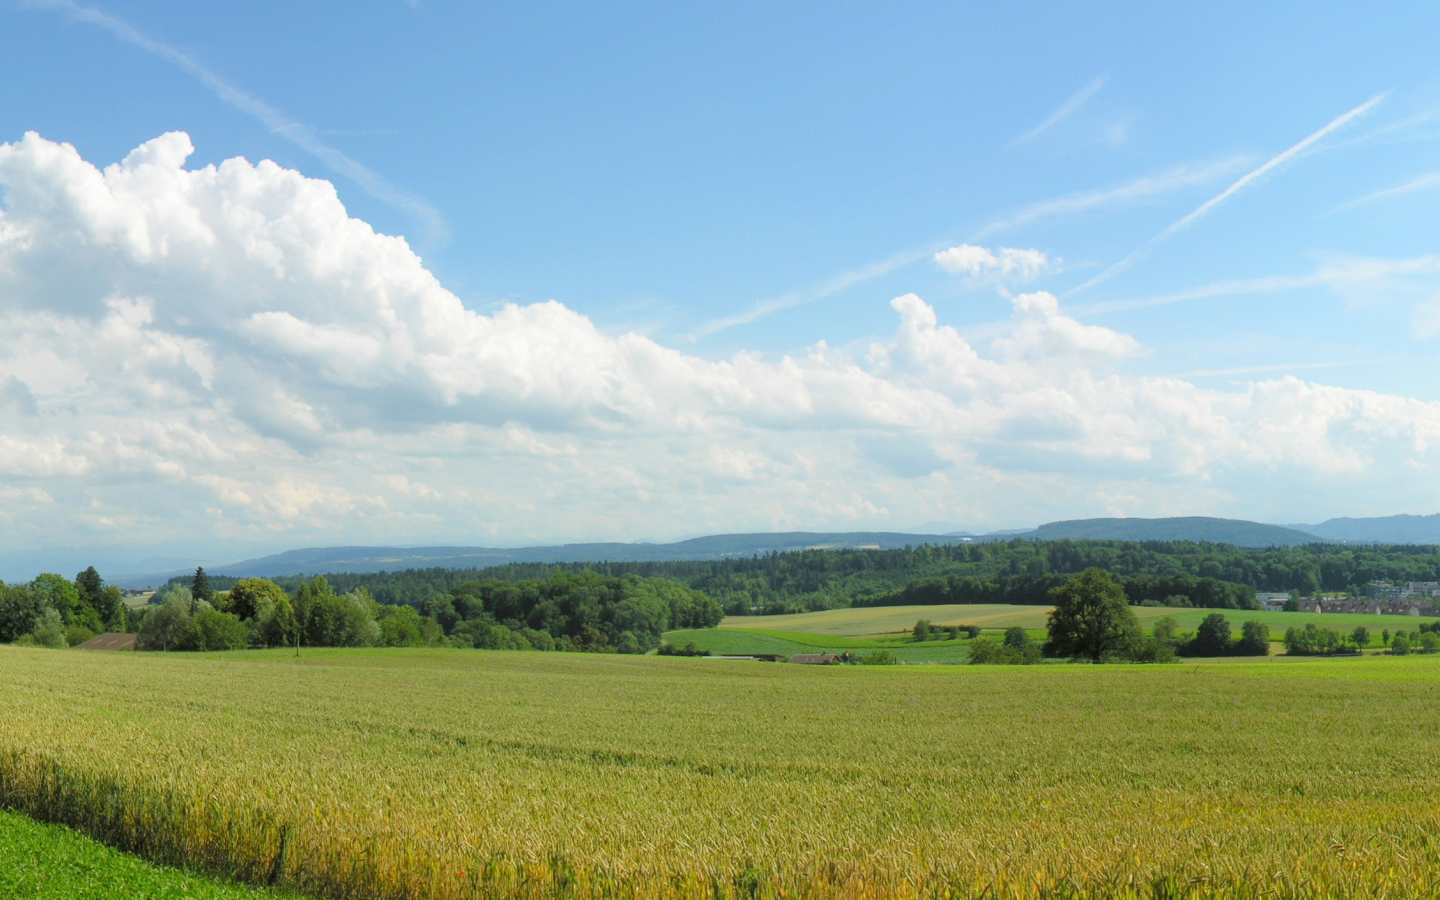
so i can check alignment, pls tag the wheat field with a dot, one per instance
(430, 774)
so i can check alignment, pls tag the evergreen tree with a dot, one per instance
(89, 584)
(200, 588)
(91, 608)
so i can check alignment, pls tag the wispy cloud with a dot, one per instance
(1065, 109)
(1343, 275)
(1248, 178)
(1142, 188)
(1267, 284)
(299, 134)
(1424, 182)
(1133, 191)
(815, 292)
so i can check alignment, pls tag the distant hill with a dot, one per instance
(1184, 528)
(1395, 529)
(1379, 530)
(721, 546)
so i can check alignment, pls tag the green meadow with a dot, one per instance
(52, 862)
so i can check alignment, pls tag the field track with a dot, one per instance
(429, 774)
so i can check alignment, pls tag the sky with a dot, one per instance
(407, 273)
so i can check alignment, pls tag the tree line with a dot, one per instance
(1093, 620)
(1202, 575)
(584, 611)
(1178, 590)
(53, 611)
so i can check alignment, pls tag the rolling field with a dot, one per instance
(882, 620)
(446, 774)
(788, 643)
(51, 862)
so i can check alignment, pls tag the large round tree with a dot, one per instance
(1091, 618)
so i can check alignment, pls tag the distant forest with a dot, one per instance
(1175, 573)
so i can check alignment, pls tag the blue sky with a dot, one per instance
(742, 182)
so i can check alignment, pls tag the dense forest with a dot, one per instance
(1015, 571)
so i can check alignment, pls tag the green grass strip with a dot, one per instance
(52, 862)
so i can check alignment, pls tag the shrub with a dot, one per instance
(1163, 631)
(591, 640)
(990, 652)
(1151, 650)
(690, 649)
(877, 658)
(1315, 641)
(1254, 640)
(77, 634)
(215, 630)
(626, 644)
(1429, 641)
(167, 626)
(1399, 645)
(254, 598)
(400, 627)
(336, 621)
(971, 631)
(1212, 638)
(1017, 638)
(485, 635)
(50, 631)
(280, 626)
(922, 630)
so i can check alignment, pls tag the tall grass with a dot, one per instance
(457, 775)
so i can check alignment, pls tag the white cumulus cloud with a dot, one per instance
(968, 259)
(224, 353)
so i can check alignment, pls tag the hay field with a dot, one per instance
(432, 774)
(788, 643)
(879, 620)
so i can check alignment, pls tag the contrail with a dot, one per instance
(1248, 178)
(295, 132)
(1068, 107)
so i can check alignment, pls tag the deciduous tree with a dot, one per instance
(1091, 619)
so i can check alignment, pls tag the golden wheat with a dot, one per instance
(473, 774)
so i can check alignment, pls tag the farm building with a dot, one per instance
(815, 659)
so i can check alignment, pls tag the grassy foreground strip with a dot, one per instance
(428, 774)
(51, 862)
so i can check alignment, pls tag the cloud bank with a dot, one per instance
(223, 352)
